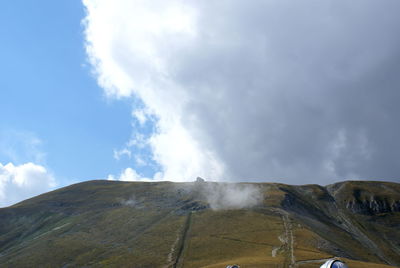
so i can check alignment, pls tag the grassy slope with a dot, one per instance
(121, 224)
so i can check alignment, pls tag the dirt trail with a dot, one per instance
(170, 258)
(183, 243)
(288, 239)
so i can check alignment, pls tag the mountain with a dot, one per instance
(204, 224)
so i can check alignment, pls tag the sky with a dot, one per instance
(278, 91)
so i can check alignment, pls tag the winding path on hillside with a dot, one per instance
(288, 240)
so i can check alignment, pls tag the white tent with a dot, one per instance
(334, 264)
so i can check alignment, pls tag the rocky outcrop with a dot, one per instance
(373, 206)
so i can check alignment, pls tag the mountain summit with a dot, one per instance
(204, 224)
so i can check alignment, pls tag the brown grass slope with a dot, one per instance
(165, 224)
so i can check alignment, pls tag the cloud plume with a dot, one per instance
(223, 196)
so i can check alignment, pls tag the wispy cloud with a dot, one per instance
(21, 146)
(119, 153)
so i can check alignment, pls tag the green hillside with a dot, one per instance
(203, 224)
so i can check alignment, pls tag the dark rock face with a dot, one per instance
(373, 206)
(192, 206)
(195, 206)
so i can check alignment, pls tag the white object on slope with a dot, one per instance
(334, 264)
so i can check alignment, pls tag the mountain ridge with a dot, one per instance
(204, 224)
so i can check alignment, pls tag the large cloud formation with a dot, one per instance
(18, 182)
(295, 91)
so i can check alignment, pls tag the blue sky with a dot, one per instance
(280, 90)
(48, 93)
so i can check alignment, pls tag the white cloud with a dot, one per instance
(23, 181)
(173, 147)
(256, 89)
(129, 174)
